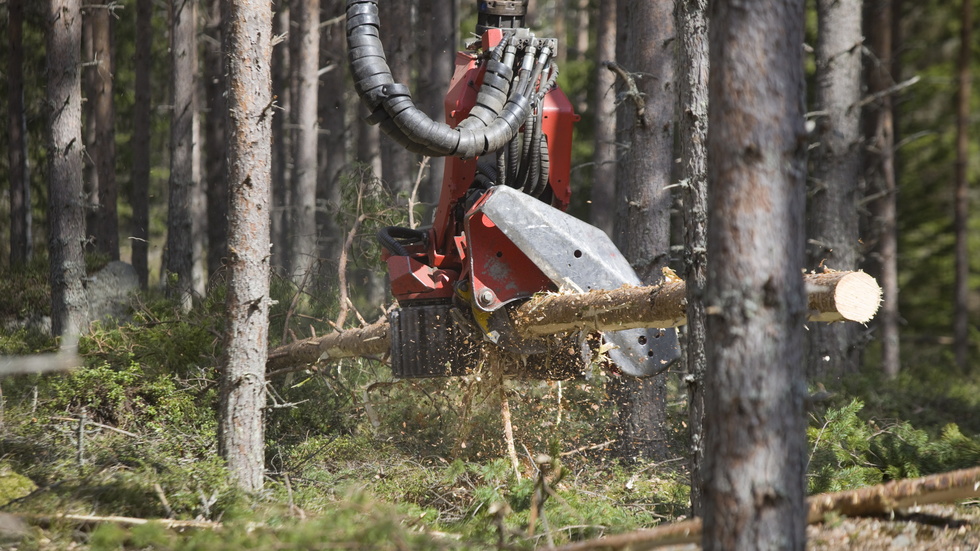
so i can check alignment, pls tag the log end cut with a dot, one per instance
(843, 296)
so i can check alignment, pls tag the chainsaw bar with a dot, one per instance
(580, 257)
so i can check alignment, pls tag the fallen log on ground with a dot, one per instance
(882, 499)
(833, 296)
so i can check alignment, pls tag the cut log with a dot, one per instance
(882, 499)
(835, 296)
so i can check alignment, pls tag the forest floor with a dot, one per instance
(933, 527)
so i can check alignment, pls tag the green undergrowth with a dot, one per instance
(356, 459)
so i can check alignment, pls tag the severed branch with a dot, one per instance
(832, 296)
(874, 500)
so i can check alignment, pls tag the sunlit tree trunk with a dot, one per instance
(642, 228)
(249, 54)
(881, 182)
(66, 218)
(21, 235)
(961, 319)
(184, 169)
(139, 194)
(603, 195)
(832, 232)
(754, 419)
(215, 138)
(692, 81)
(304, 62)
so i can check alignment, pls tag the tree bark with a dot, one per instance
(104, 225)
(692, 68)
(844, 296)
(437, 48)
(139, 197)
(642, 226)
(66, 217)
(881, 161)
(304, 63)
(755, 439)
(835, 350)
(333, 135)
(21, 234)
(281, 158)
(603, 194)
(961, 217)
(184, 170)
(250, 107)
(397, 163)
(216, 139)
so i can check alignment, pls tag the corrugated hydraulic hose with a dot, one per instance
(495, 120)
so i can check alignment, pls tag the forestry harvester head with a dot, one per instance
(499, 233)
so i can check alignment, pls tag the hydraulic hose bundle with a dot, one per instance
(519, 72)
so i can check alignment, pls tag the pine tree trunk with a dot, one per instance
(105, 228)
(438, 48)
(398, 168)
(692, 68)
(961, 315)
(66, 218)
(215, 138)
(333, 136)
(281, 163)
(139, 194)
(832, 236)
(603, 195)
(21, 234)
(183, 168)
(642, 228)
(755, 442)
(881, 138)
(250, 107)
(304, 63)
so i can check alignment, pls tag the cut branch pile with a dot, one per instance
(834, 296)
(883, 499)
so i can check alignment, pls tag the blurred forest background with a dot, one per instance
(898, 399)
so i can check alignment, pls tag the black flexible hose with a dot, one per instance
(494, 124)
(389, 238)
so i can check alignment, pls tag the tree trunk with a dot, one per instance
(438, 49)
(398, 169)
(692, 68)
(881, 161)
(139, 197)
(21, 235)
(643, 201)
(249, 54)
(215, 138)
(333, 135)
(961, 315)
(603, 195)
(66, 217)
(755, 441)
(832, 236)
(583, 16)
(281, 93)
(304, 64)
(184, 170)
(102, 150)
